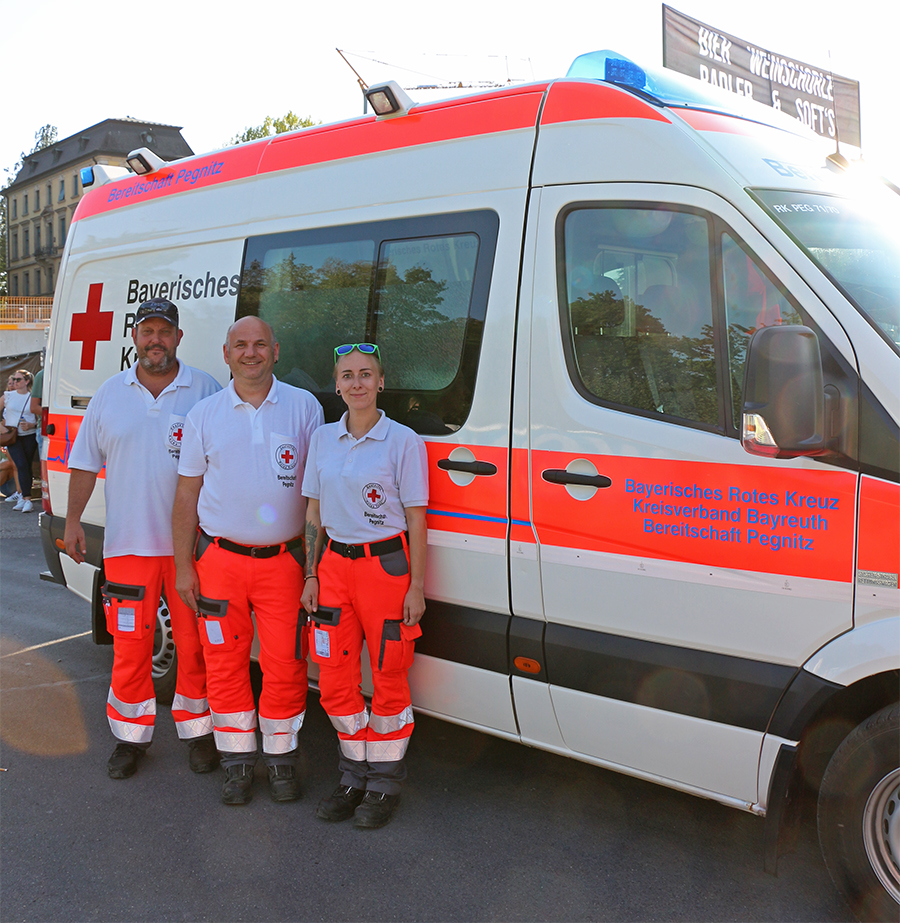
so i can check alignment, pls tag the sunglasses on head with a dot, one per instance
(366, 348)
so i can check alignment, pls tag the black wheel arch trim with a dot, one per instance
(802, 700)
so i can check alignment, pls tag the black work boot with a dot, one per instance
(340, 806)
(202, 754)
(238, 782)
(284, 782)
(376, 810)
(124, 760)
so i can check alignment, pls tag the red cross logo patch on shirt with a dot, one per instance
(176, 431)
(91, 327)
(373, 495)
(286, 456)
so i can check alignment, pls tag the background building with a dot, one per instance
(42, 199)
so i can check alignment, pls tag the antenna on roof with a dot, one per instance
(363, 86)
(432, 83)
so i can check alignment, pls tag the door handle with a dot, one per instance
(561, 476)
(469, 467)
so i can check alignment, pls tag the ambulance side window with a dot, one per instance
(636, 300)
(424, 289)
(307, 293)
(417, 287)
(751, 301)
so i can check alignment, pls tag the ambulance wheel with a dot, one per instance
(164, 658)
(859, 817)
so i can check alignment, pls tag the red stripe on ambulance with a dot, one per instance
(879, 536)
(570, 101)
(769, 520)
(479, 508)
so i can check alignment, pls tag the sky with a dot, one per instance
(215, 69)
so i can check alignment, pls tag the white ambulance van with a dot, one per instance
(653, 345)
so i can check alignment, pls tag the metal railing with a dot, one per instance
(31, 310)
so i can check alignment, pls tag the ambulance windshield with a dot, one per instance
(855, 241)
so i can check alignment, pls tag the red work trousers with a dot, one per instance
(363, 599)
(131, 598)
(231, 586)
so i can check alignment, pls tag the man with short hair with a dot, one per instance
(133, 426)
(247, 555)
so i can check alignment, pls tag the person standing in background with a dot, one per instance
(15, 407)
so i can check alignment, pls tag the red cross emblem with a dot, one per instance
(286, 456)
(175, 432)
(373, 495)
(92, 326)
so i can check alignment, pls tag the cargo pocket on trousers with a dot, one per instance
(214, 627)
(301, 643)
(123, 606)
(323, 623)
(398, 643)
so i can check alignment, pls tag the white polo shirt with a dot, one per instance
(363, 485)
(138, 438)
(252, 463)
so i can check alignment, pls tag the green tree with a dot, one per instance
(270, 126)
(45, 136)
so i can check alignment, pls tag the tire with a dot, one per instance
(165, 661)
(859, 817)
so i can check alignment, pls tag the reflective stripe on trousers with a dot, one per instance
(350, 725)
(131, 721)
(390, 724)
(386, 751)
(235, 732)
(280, 734)
(192, 717)
(364, 737)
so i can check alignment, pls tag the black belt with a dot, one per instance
(255, 551)
(372, 550)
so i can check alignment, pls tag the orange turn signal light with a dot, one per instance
(60, 544)
(527, 665)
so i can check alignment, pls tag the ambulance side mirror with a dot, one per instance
(783, 414)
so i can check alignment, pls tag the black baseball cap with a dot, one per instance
(158, 307)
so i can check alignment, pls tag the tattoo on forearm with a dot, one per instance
(312, 536)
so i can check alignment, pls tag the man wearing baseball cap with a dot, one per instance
(133, 426)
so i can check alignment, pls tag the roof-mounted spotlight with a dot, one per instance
(388, 100)
(143, 160)
(837, 161)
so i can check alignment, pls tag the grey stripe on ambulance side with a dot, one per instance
(703, 684)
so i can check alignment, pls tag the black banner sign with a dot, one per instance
(824, 102)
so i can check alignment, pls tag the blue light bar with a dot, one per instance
(87, 176)
(673, 89)
(609, 66)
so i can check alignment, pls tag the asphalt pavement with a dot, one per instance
(486, 830)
